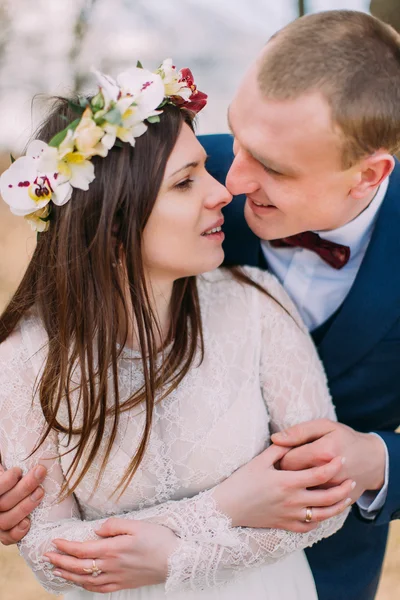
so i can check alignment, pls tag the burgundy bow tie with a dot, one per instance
(336, 255)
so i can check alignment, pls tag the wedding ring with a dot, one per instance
(308, 518)
(94, 570)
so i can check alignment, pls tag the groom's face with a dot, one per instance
(288, 163)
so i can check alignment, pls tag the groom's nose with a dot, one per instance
(240, 178)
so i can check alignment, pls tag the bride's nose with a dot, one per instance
(218, 195)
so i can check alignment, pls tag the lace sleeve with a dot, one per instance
(195, 520)
(295, 389)
(293, 380)
(21, 426)
(211, 551)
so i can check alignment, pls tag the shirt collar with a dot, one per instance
(358, 231)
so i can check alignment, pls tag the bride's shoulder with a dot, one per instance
(24, 342)
(266, 293)
(237, 280)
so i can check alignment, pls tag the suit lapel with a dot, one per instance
(373, 303)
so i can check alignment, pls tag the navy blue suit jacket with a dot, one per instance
(361, 355)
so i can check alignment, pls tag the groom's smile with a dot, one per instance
(289, 161)
(260, 208)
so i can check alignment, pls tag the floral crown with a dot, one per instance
(121, 110)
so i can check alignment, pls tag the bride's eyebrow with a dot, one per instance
(192, 165)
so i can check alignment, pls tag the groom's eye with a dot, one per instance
(270, 171)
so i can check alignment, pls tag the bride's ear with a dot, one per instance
(373, 170)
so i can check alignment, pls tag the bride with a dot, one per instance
(146, 380)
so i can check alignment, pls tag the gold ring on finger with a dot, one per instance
(308, 518)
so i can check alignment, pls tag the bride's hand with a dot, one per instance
(260, 495)
(131, 555)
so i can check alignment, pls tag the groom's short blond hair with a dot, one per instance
(353, 59)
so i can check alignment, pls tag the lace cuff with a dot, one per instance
(222, 554)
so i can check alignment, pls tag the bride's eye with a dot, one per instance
(184, 185)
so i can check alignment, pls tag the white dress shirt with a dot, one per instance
(318, 289)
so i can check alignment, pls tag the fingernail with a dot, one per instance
(282, 433)
(348, 501)
(57, 573)
(37, 494)
(24, 525)
(40, 473)
(353, 485)
(18, 472)
(48, 562)
(343, 460)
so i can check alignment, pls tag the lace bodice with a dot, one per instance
(260, 373)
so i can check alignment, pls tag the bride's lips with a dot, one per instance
(260, 210)
(215, 235)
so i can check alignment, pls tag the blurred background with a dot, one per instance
(47, 47)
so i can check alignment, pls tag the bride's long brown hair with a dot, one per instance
(75, 288)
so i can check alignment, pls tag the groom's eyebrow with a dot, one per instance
(272, 165)
(266, 162)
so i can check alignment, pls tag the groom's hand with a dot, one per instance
(19, 496)
(316, 442)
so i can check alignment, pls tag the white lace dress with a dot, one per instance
(260, 374)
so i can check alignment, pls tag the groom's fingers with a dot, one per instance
(8, 538)
(272, 455)
(316, 476)
(329, 497)
(20, 488)
(9, 479)
(303, 433)
(310, 455)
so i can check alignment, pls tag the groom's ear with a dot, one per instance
(372, 171)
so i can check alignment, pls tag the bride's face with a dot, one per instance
(177, 240)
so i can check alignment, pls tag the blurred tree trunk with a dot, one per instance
(388, 11)
(302, 10)
(80, 30)
(5, 27)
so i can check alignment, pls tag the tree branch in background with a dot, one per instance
(388, 11)
(302, 10)
(5, 28)
(79, 34)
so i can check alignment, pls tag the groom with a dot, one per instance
(316, 121)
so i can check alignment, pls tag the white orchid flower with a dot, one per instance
(72, 167)
(126, 132)
(145, 88)
(26, 187)
(38, 220)
(109, 88)
(141, 94)
(171, 79)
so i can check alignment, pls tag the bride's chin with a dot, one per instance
(208, 263)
